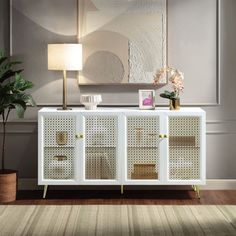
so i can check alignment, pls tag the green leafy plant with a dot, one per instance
(12, 94)
(168, 95)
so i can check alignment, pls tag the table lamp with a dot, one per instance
(65, 57)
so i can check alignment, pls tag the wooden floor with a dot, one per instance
(134, 197)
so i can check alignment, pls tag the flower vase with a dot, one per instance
(175, 104)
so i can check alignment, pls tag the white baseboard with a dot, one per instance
(219, 184)
(211, 184)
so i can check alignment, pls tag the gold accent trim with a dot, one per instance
(45, 189)
(175, 104)
(122, 189)
(64, 99)
(61, 137)
(196, 189)
(198, 192)
(79, 136)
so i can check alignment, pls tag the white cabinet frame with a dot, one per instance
(121, 147)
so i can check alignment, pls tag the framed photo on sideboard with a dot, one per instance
(146, 99)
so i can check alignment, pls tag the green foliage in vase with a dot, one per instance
(169, 95)
(12, 94)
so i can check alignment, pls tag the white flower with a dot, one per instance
(175, 78)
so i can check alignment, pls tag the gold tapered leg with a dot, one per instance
(198, 192)
(196, 189)
(122, 189)
(45, 190)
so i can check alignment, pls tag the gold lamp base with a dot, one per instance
(64, 98)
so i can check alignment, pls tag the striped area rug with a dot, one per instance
(114, 220)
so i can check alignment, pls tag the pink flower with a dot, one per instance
(147, 101)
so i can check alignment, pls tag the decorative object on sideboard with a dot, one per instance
(144, 171)
(90, 101)
(175, 79)
(65, 57)
(12, 96)
(61, 137)
(57, 169)
(146, 99)
(174, 104)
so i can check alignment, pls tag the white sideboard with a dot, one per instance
(121, 146)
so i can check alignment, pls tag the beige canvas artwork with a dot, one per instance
(124, 41)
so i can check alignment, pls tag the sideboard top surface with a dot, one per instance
(125, 110)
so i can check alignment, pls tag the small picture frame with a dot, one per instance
(146, 99)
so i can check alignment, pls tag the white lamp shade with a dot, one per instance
(65, 56)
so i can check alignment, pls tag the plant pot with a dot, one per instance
(175, 104)
(8, 185)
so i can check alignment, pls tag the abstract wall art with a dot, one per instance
(124, 41)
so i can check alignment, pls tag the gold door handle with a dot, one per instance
(165, 136)
(161, 135)
(79, 136)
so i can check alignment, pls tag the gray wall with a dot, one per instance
(4, 26)
(221, 119)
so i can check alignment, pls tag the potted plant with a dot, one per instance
(175, 78)
(12, 96)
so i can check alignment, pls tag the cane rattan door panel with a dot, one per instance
(59, 147)
(101, 147)
(143, 147)
(184, 148)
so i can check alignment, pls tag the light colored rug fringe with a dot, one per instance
(112, 220)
